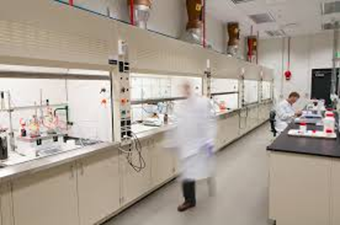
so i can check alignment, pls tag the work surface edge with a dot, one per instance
(305, 145)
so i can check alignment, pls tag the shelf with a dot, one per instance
(225, 93)
(21, 108)
(42, 137)
(155, 101)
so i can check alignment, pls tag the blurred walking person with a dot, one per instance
(194, 141)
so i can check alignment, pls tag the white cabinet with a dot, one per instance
(48, 197)
(335, 192)
(163, 167)
(243, 121)
(227, 131)
(135, 184)
(6, 216)
(300, 189)
(98, 186)
(252, 119)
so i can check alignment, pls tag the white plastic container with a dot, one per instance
(303, 127)
(329, 122)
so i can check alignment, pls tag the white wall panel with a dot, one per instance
(33, 31)
(307, 53)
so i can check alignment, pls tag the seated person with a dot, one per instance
(285, 112)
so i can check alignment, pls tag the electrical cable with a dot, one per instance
(137, 146)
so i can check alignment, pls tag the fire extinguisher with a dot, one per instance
(288, 73)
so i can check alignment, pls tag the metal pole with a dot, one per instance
(132, 9)
(335, 48)
(204, 24)
(11, 130)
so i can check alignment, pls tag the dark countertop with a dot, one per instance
(308, 146)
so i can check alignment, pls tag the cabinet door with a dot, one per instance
(98, 186)
(299, 189)
(47, 197)
(335, 197)
(6, 216)
(231, 129)
(136, 183)
(163, 167)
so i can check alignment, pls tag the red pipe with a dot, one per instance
(132, 6)
(250, 53)
(204, 24)
(71, 2)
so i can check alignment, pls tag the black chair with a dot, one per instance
(272, 121)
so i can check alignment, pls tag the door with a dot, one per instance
(98, 186)
(321, 85)
(47, 197)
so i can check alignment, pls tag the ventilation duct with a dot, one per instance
(141, 12)
(234, 38)
(252, 48)
(194, 26)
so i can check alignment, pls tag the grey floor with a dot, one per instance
(242, 191)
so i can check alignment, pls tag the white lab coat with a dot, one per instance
(194, 138)
(285, 114)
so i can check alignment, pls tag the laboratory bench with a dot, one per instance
(89, 185)
(304, 179)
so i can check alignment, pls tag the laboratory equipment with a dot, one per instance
(153, 122)
(23, 131)
(3, 145)
(303, 127)
(309, 117)
(312, 134)
(329, 123)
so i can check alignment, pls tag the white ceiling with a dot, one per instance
(295, 17)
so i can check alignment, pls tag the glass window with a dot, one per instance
(155, 98)
(266, 90)
(224, 94)
(54, 112)
(251, 91)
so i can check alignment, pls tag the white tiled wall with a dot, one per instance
(307, 53)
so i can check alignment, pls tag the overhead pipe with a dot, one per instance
(139, 12)
(132, 18)
(204, 24)
(257, 47)
(252, 48)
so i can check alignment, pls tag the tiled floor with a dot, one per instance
(242, 191)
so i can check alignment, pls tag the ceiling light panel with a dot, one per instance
(276, 33)
(262, 18)
(330, 7)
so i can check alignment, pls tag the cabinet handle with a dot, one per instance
(72, 171)
(81, 169)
